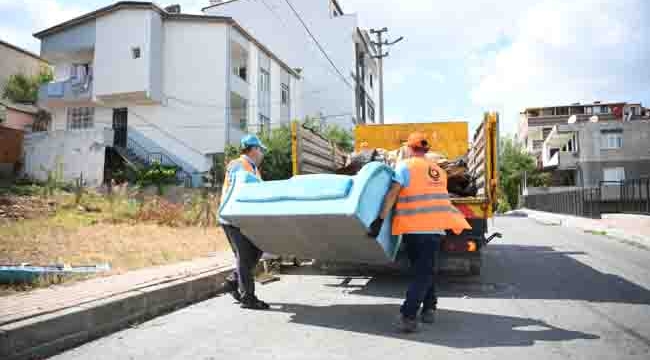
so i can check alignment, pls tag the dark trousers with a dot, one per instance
(247, 256)
(422, 251)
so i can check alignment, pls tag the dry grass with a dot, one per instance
(104, 231)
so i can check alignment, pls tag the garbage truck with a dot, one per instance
(460, 254)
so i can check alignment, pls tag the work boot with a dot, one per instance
(232, 287)
(428, 316)
(254, 303)
(407, 325)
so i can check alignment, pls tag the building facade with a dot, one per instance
(14, 59)
(536, 123)
(587, 153)
(340, 86)
(164, 82)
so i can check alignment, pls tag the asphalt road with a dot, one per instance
(546, 292)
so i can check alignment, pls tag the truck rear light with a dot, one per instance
(460, 246)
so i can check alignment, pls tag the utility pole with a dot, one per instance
(379, 43)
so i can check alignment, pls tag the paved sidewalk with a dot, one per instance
(43, 322)
(625, 227)
(42, 301)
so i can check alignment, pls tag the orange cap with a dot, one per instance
(417, 140)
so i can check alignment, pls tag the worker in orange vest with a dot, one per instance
(422, 214)
(241, 282)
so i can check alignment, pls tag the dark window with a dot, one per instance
(285, 94)
(135, 52)
(80, 118)
(264, 124)
(545, 132)
(371, 81)
(371, 112)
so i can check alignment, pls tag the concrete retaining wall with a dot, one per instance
(69, 153)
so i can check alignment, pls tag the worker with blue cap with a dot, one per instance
(241, 282)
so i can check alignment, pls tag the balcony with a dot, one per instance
(68, 93)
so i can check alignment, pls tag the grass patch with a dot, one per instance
(118, 230)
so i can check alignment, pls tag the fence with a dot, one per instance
(628, 196)
(583, 202)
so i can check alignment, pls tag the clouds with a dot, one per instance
(19, 19)
(460, 58)
(569, 51)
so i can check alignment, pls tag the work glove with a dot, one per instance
(375, 227)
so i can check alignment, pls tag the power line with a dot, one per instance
(320, 47)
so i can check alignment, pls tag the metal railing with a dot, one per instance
(140, 155)
(583, 202)
(633, 195)
(627, 196)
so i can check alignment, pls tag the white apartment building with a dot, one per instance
(157, 84)
(342, 100)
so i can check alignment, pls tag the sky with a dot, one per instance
(464, 57)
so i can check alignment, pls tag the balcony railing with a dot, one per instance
(71, 90)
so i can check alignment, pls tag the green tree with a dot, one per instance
(334, 133)
(22, 88)
(514, 162)
(277, 159)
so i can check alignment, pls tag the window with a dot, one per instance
(240, 71)
(285, 94)
(589, 110)
(371, 81)
(371, 112)
(614, 174)
(545, 132)
(264, 124)
(604, 110)
(135, 52)
(634, 110)
(265, 81)
(80, 118)
(611, 140)
(3, 113)
(562, 111)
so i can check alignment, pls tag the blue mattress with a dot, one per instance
(321, 216)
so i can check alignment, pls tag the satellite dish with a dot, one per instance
(594, 119)
(572, 119)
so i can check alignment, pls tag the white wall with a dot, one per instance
(71, 152)
(323, 91)
(190, 121)
(116, 34)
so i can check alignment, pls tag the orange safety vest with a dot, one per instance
(424, 204)
(247, 166)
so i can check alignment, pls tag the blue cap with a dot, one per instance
(251, 141)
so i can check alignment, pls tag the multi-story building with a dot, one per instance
(170, 86)
(586, 153)
(339, 68)
(536, 123)
(582, 145)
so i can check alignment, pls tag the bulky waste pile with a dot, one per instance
(460, 183)
(13, 208)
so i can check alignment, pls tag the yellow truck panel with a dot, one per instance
(447, 138)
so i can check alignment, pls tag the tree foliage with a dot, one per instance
(338, 135)
(22, 88)
(514, 162)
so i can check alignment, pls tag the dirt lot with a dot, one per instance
(56, 230)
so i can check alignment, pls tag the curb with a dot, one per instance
(619, 235)
(49, 334)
